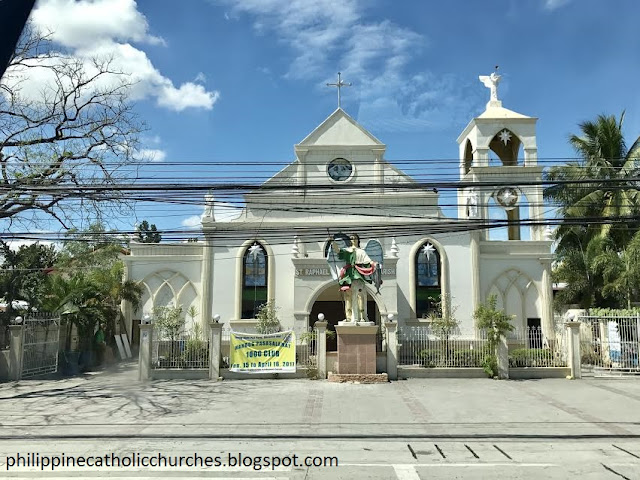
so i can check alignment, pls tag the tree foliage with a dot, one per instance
(608, 170)
(146, 233)
(24, 273)
(596, 252)
(443, 319)
(68, 135)
(88, 285)
(495, 321)
(169, 320)
(267, 316)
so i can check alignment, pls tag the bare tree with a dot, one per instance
(68, 134)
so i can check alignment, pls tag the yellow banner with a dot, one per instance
(255, 353)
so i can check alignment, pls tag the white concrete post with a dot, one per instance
(392, 349)
(502, 354)
(15, 352)
(321, 348)
(638, 332)
(574, 356)
(144, 355)
(215, 350)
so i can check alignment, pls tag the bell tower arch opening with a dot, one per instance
(507, 146)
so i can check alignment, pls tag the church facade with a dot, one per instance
(340, 184)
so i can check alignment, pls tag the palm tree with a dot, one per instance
(620, 269)
(607, 190)
(88, 299)
(594, 193)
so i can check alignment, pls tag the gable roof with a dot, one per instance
(340, 129)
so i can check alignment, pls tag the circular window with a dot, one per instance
(339, 169)
(507, 197)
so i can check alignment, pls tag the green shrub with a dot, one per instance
(430, 357)
(195, 350)
(456, 358)
(468, 358)
(490, 365)
(531, 357)
(590, 357)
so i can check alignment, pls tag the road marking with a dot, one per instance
(406, 472)
(614, 472)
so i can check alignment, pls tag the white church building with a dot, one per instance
(340, 183)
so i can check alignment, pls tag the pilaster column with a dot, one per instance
(125, 306)
(392, 349)
(215, 350)
(144, 355)
(321, 348)
(15, 352)
(205, 278)
(476, 296)
(379, 170)
(547, 300)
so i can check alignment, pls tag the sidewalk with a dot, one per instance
(117, 405)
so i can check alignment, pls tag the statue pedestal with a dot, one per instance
(357, 354)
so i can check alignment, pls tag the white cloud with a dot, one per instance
(188, 95)
(151, 154)
(78, 23)
(192, 221)
(222, 212)
(104, 29)
(555, 4)
(201, 77)
(376, 56)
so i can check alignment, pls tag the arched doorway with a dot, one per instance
(329, 302)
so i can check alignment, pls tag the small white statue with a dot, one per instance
(209, 201)
(491, 82)
(472, 204)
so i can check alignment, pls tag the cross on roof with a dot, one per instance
(339, 85)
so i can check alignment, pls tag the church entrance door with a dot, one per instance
(330, 303)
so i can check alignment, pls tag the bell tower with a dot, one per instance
(499, 171)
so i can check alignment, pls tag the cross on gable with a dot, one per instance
(339, 85)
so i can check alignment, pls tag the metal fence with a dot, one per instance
(610, 343)
(186, 351)
(40, 345)
(530, 347)
(421, 346)
(306, 347)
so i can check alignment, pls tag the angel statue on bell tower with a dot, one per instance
(353, 266)
(491, 82)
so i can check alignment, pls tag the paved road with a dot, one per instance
(409, 430)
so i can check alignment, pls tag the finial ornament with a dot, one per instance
(339, 85)
(209, 202)
(394, 248)
(295, 250)
(491, 82)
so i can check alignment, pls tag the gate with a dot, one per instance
(610, 345)
(41, 334)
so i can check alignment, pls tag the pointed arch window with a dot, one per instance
(428, 279)
(254, 280)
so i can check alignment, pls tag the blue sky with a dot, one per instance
(244, 80)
